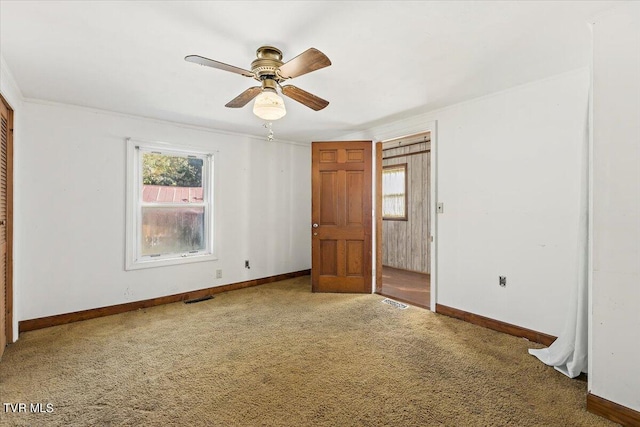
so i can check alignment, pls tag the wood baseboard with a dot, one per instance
(496, 325)
(61, 319)
(612, 411)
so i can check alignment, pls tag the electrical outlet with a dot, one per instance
(246, 264)
(218, 274)
(502, 281)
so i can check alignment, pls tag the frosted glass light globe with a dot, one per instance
(269, 106)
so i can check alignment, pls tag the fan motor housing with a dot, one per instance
(269, 60)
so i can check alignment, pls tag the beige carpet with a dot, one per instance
(278, 355)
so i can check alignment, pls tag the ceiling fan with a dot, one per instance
(269, 69)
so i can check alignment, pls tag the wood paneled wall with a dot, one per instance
(405, 244)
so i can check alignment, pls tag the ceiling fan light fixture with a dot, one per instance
(269, 106)
(270, 71)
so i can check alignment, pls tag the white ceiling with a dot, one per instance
(390, 59)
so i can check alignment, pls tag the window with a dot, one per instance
(170, 206)
(394, 192)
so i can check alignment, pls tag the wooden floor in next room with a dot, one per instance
(406, 286)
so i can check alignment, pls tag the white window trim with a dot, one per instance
(132, 260)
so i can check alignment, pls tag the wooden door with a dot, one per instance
(5, 182)
(341, 216)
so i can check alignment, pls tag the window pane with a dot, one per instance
(394, 192)
(171, 179)
(171, 170)
(169, 194)
(393, 181)
(393, 206)
(172, 230)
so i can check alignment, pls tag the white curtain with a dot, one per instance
(568, 354)
(393, 191)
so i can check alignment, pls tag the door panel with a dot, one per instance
(4, 179)
(328, 260)
(328, 198)
(355, 202)
(355, 156)
(355, 257)
(341, 216)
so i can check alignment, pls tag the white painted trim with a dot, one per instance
(374, 217)
(152, 120)
(590, 221)
(132, 261)
(433, 277)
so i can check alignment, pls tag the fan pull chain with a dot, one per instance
(268, 125)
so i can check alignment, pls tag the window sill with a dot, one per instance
(151, 263)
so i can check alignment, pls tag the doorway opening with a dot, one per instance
(404, 200)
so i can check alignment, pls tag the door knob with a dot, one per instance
(315, 225)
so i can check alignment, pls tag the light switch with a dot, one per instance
(440, 207)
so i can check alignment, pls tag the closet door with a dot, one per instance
(5, 204)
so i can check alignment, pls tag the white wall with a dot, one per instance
(508, 169)
(12, 94)
(9, 89)
(71, 175)
(615, 367)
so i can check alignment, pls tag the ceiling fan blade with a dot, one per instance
(244, 98)
(196, 59)
(309, 60)
(302, 96)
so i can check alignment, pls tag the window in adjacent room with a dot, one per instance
(394, 192)
(170, 214)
